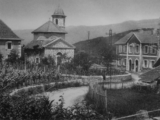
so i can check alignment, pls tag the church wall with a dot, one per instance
(47, 35)
(53, 52)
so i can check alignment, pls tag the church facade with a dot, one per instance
(49, 40)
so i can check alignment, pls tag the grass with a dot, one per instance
(127, 101)
(123, 102)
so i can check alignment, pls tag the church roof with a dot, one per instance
(143, 38)
(49, 27)
(46, 43)
(59, 11)
(6, 33)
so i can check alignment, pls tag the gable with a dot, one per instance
(59, 44)
(134, 39)
(6, 32)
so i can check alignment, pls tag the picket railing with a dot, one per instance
(98, 95)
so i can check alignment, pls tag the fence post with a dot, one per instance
(106, 99)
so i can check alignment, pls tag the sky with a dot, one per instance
(30, 14)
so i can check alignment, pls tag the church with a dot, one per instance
(49, 40)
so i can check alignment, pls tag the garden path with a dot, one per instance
(135, 77)
(71, 95)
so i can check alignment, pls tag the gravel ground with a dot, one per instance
(71, 95)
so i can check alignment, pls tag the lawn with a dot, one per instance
(124, 102)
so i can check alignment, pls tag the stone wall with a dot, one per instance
(88, 79)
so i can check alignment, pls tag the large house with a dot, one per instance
(138, 50)
(49, 40)
(8, 41)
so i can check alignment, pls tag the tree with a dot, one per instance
(48, 61)
(13, 56)
(1, 57)
(82, 59)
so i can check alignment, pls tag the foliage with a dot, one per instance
(25, 107)
(1, 57)
(123, 102)
(107, 55)
(48, 61)
(83, 60)
(13, 56)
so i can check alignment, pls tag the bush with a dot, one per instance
(25, 108)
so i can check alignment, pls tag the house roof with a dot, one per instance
(49, 27)
(46, 43)
(151, 75)
(157, 63)
(143, 38)
(6, 33)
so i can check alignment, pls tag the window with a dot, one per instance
(137, 48)
(9, 45)
(145, 49)
(124, 62)
(120, 48)
(153, 49)
(145, 63)
(151, 63)
(130, 48)
(124, 48)
(56, 21)
(118, 62)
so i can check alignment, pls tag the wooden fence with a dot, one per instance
(98, 95)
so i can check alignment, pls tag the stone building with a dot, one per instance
(138, 50)
(49, 39)
(8, 41)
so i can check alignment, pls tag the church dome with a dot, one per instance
(59, 11)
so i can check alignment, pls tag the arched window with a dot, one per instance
(152, 63)
(145, 63)
(124, 62)
(56, 21)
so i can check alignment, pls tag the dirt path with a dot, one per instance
(71, 95)
(135, 77)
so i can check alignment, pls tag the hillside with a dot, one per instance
(93, 46)
(79, 33)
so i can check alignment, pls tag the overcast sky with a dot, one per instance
(30, 14)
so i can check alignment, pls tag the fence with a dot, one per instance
(98, 95)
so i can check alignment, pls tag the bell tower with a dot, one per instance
(58, 17)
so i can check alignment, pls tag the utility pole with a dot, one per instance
(25, 57)
(110, 65)
(88, 35)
